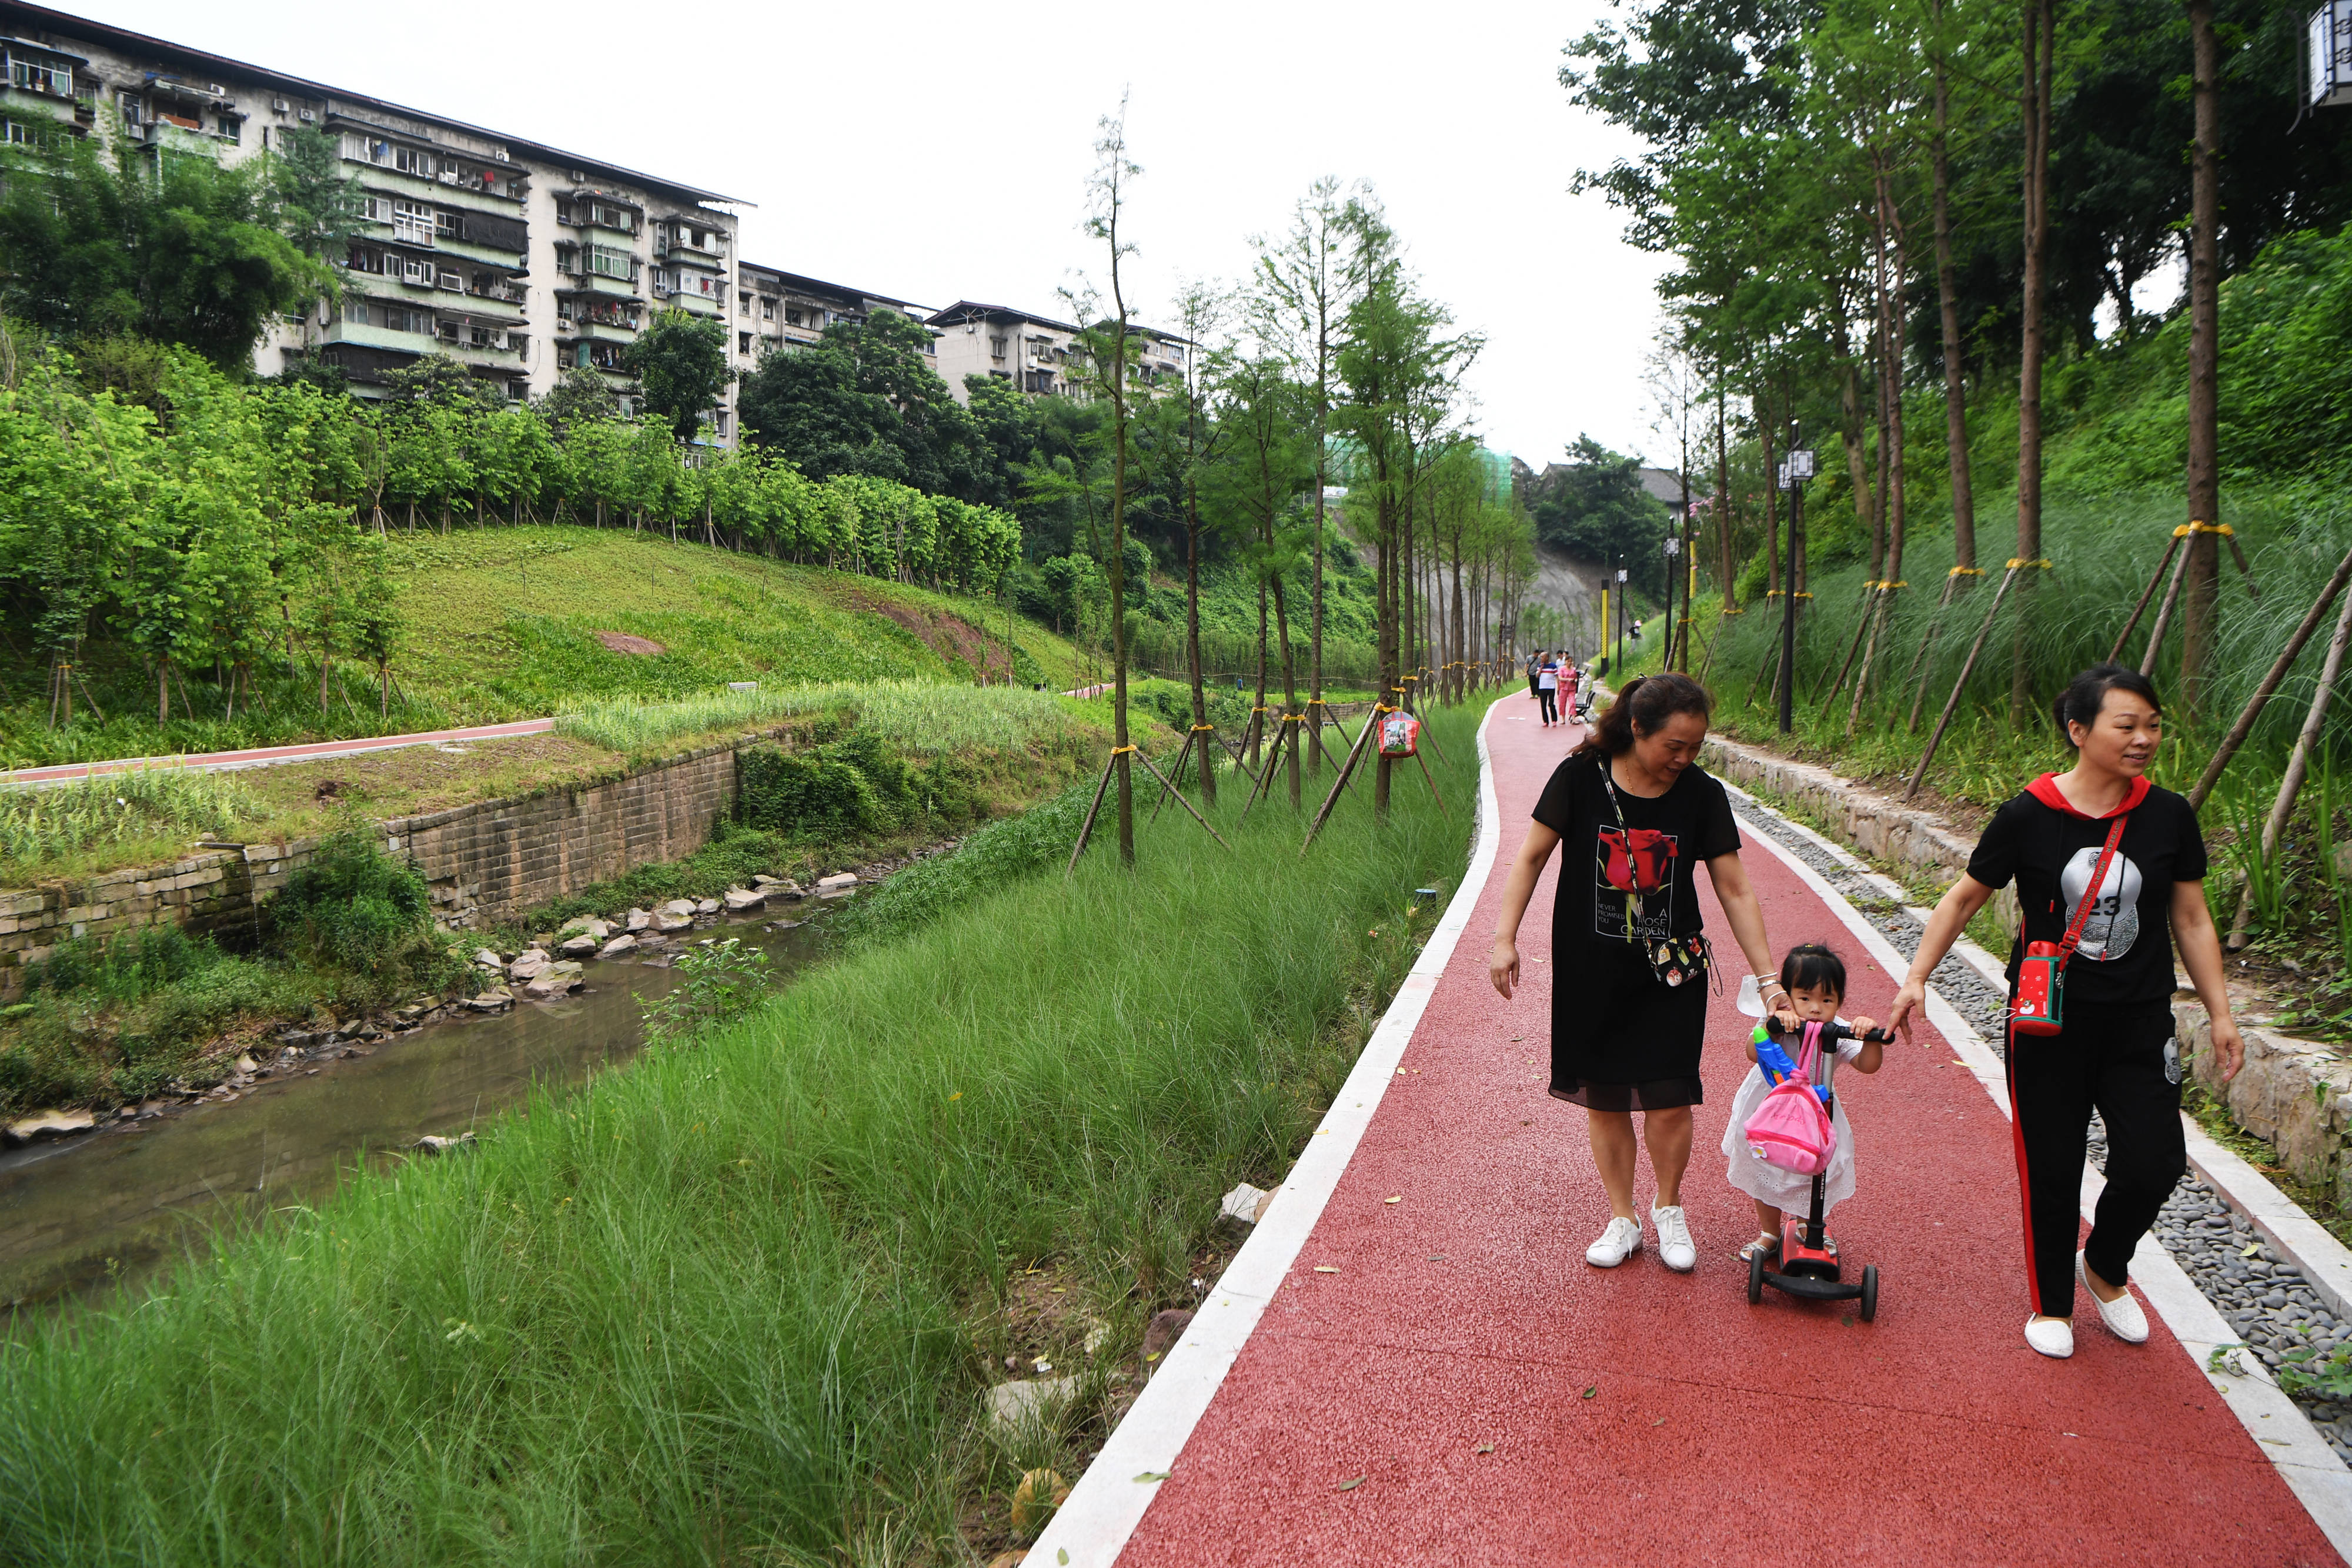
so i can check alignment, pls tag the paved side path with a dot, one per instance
(269, 755)
(1465, 1389)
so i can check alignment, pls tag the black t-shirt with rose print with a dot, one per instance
(1612, 890)
(2050, 849)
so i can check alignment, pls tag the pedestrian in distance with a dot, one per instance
(2110, 876)
(1547, 690)
(1814, 978)
(1535, 663)
(1630, 961)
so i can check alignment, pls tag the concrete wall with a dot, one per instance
(485, 862)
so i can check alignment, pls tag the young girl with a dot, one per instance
(1814, 978)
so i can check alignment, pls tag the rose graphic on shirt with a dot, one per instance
(1631, 867)
(2113, 924)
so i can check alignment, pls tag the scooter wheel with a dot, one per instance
(1869, 1291)
(1755, 1278)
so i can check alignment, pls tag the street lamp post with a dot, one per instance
(1794, 472)
(1674, 552)
(1618, 663)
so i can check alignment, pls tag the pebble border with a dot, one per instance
(2261, 1295)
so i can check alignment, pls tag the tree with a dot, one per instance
(865, 400)
(680, 361)
(178, 250)
(1597, 510)
(320, 208)
(1104, 346)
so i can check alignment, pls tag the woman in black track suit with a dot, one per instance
(2114, 1051)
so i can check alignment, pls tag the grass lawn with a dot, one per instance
(737, 1303)
(503, 623)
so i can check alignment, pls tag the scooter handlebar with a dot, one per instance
(1831, 1031)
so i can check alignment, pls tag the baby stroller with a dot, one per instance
(1809, 1266)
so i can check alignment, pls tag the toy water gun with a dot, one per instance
(1774, 1061)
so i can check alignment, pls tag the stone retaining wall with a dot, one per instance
(2293, 1094)
(483, 860)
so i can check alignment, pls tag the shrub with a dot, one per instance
(717, 982)
(354, 909)
(56, 820)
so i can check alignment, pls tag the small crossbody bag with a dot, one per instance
(1673, 960)
(2039, 1008)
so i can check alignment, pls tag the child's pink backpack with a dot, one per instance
(1790, 1129)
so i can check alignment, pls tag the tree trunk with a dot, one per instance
(2200, 623)
(1192, 634)
(1956, 408)
(2041, 43)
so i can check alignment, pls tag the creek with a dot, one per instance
(120, 1202)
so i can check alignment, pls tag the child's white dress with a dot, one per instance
(1785, 1189)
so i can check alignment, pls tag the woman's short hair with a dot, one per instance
(1646, 702)
(2087, 693)
(1810, 966)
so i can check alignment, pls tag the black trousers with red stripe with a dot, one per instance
(2110, 1058)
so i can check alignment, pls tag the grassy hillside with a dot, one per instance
(503, 623)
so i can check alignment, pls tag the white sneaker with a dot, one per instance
(1618, 1242)
(2123, 1315)
(1675, 1249)
(2054, 1337)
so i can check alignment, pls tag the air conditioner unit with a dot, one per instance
(278, 106)
(309, 116)
(576, 176)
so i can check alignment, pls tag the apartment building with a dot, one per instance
(1041, 356)
(776, 311)
(517, 259)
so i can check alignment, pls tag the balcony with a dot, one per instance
(391, 181)
(606, 329)
(713, 257)
(372, 337)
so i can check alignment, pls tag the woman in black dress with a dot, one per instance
(2115, 1053)
(1639, 816)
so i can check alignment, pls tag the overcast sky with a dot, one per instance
(936, 151)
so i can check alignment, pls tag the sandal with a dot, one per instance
(1766, 1245)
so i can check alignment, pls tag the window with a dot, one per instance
(401, 319)
(230, 127)
(719, 422)
(128, 103)
(746, 309)
(418, 270)
(485, 337)
(449, 224)
(608, 261)
(409, 161)
(40, 75)
(414, 222)
(767, 309)
(742, 342)
(605, 215)
(996, 348)
(792, 318)
(355, 310)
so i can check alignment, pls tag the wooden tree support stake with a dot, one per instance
(2164, 615)
(1166, 788)
(2245, 726)
(1355, 754)
(1432, 777)
(2171, 548)
(1968, 666)
(1180, 798)
(1282, 737)
(1878, 618)
(1927, 641)
(2298, 763)
(1086, 830)
(1869, 602)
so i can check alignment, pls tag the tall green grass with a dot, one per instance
(917, 718)
(737, 1305)
(2103, 554)
(40, 823)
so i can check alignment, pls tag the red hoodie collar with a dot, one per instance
(2045, 789)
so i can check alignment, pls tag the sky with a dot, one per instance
(934, 152)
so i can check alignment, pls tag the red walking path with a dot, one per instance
(1461, 1387)
(268, 756)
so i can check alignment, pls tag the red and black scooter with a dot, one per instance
(1809, 1266)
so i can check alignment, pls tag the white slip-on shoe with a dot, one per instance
(2123, 1315)
(1618, 1242)
(2054, 1337)
(1675, 1249)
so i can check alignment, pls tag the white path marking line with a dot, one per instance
(1092, 1528)
(2281, 1433)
